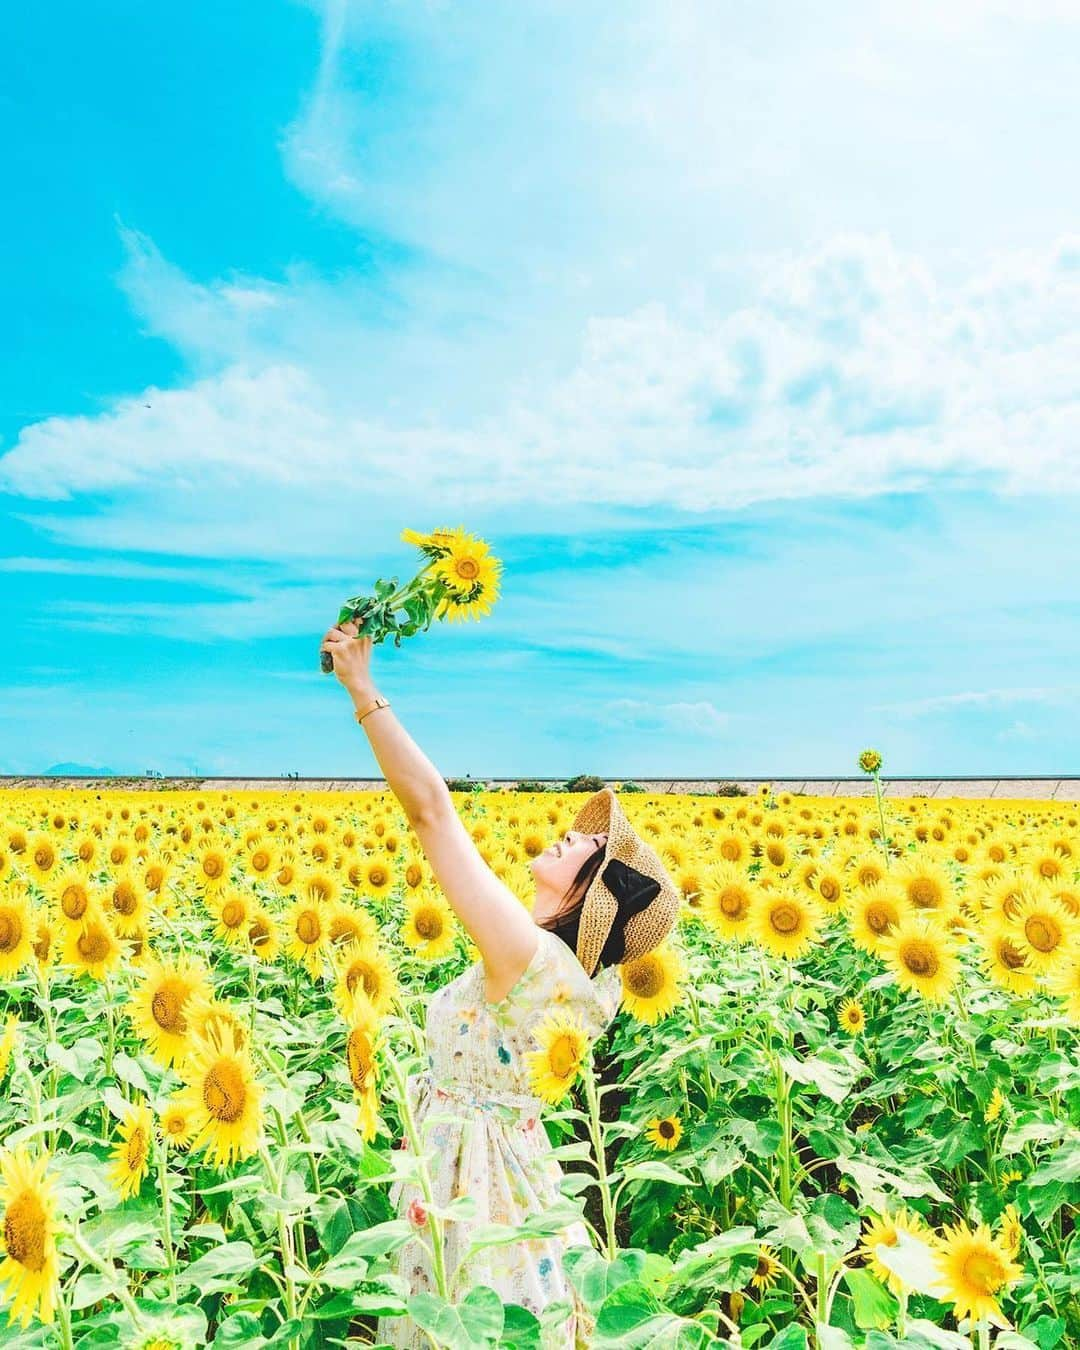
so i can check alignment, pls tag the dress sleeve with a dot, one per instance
(561, 983)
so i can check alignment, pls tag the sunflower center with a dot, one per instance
(167, 1006)
(232, 913)
(879, 918)
(213, 866)
(342, 930)
(666, 1129)
(11, 930)
(308, 927)
(260, 860)
(1009, 955)
(920, 957)
(467, 569)
(125, 900)
(1043, 934)
(924, 893)
(93, 946)
(359, 1057)
(377, 877)
(983, 1270)
(74, 902)
(784, 918)
(224, 1093)
(829, 890)
(136, 1150)
(563, 1057)
(646, 979)
(428, 924)
(24, 1231)
(733, 902)
(44, 856)
(259, 933)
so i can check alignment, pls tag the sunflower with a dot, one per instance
(768, 1268)
(91, 947)
(125, 902)
(175, 1123)
(925, 885)
(883, 1230)
(212, 865)
(470, 573)
(360, 1048)
(829, 889)
(1043, 928)
(786, 922)
(307, 933)
(41, 857)
(131, 1155)
(375, 877)
(45, 944)
(223, 1098)
(1003, 959)
(16, 931)
(365, 976)
(428, 927)
(1010, 1231)
(875, 914)
(922, 957)
(233, 910)
(8, 1042)
(262, 935)
(350, 925)
(651, 983)
(157, 1007)
(664, 1131)
(29, 1272)
(852, 1018)
(71, 890)
(994, 1105)
(974, 1266)
(869, 869)
(207, 1016)
(553, 1068)
(727, 901)
(1064, 981)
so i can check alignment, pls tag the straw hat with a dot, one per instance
(631, 904)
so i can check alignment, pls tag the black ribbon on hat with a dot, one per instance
(633, 891)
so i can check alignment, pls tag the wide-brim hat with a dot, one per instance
(631, 902)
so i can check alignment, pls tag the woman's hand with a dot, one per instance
(351, 656)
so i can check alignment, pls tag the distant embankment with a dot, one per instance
(1037, 788)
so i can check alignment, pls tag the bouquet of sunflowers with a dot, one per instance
(460, 580)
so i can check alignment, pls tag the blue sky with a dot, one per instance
(746, 335)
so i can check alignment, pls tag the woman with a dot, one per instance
(602, 896)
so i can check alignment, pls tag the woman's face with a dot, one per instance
(556, 868)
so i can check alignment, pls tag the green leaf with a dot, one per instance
(791, 1338)
(833, 1070)
(476, 1321)
(214, 1271)
(871, 1180)
(833, 1225)
(832, 1338)
(652, 1169)
(238, 1332)
(911, 1259)
(873, 1305)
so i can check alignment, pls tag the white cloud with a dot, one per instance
(853, 370)
(699, 718)
(983, 698)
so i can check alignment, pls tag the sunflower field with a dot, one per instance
(838, 1107)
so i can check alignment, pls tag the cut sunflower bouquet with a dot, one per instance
(460, 580)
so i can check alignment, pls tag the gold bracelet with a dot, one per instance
(377, 702)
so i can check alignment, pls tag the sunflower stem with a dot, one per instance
(91, 1257)
(596, 1130)
(881, 816)
(285, 1240)
(166, 1214)
(434, 1222)
(53, 1081)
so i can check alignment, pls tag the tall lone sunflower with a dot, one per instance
(29, 1272)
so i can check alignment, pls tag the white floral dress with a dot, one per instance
(490, 1142)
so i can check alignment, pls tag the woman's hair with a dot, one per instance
(565, 924)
